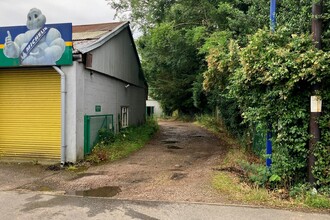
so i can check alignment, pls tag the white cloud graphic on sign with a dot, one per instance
(40, 45)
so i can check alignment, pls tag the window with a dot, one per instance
(150, 110)
(124, 117)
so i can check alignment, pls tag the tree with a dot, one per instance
(143, 13)
(174, 31)
(170, 63)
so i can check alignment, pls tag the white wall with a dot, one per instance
(74, 113)
(157, 108)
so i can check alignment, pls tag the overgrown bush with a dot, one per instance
(273, 86)
(269, 82)
(322, 150)
(223, 60)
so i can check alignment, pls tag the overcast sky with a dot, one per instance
(14, 12)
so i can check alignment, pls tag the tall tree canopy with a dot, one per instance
(174, 31)
(177, 37)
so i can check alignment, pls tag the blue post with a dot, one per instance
(272, 15)
(269, 147)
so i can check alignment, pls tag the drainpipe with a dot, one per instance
(63, 115)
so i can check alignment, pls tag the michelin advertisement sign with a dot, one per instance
(37, 43)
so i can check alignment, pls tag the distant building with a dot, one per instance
(153, 108)
(55, 112)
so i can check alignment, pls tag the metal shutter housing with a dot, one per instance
(30, 114)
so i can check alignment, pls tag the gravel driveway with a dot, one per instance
(176, 165)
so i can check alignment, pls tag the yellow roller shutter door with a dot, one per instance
(30, 114)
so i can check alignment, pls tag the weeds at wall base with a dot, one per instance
(126, 142)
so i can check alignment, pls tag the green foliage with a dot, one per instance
(308, 195)
(106, 136)
(322, 150)
(72, 168)
(144, 14)
(326, 26)
(296, 15)
(236, 190)
(210, 122)
(257, 174)
(99, 154)
(126, 142)
(272, 87)
(274, 178)
(269, 82)
(242, 17)
(223, 60)
(173, 33)
(318, 201)
(171, 65)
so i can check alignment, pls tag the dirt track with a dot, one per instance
(176, 165)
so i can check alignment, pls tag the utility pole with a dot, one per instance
(316, 102)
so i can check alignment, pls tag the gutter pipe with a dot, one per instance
(63, 115)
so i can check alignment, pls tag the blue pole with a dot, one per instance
(272, 15)
(269, 147)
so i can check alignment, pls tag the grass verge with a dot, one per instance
(239, 188)
(126, 142)
(242, 177)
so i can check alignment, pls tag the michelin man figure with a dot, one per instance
(40, 45)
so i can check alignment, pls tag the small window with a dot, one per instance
(124, 117)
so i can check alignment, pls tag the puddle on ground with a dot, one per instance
(197, 136)
(55, 167)
(178, 176)
(174, 147)
(170, 141)
(106, 191)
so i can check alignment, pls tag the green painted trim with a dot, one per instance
(96, 116)
(66, 59)
(86, 134)
(6, 62)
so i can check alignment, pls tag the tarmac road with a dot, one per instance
(33, 205)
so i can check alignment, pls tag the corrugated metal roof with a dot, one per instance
(86, 35)
(81, 44)
(89, 37)
(96, 27)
